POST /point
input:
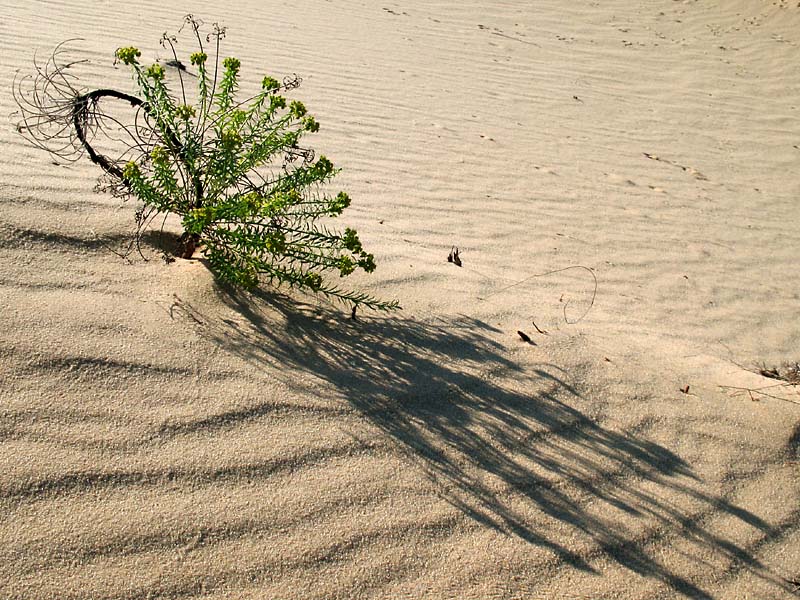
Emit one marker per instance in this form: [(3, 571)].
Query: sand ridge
[(163, 437)]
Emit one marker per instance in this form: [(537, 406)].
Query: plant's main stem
[(80, 112)]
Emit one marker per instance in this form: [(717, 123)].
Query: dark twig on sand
[(537, 328)]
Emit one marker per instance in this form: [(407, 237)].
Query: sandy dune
[(163, 437)]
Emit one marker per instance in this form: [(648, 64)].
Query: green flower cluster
[(128, 55), (268, 84), (131, 171), (231, 65), (351, 242), (346, 266), (323, 167), (198, 58), (276, 102), (297, 109), (310, 124), (159, 156), (155, 72), (338, 204), (185, 112), (230, 139)]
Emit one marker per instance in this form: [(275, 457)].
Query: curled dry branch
[(83, 113), (55, 115)]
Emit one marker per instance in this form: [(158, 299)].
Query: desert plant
[(248, 194)]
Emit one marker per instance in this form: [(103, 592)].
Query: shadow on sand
[(501, 443)]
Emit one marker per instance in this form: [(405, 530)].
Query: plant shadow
[(499, 442)]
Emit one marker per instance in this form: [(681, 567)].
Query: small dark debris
[(453, 257), (525, 337), (353, 313), (685, 389)]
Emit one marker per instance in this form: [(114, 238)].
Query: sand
[(163, 437)]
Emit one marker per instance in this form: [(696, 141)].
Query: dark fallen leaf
[(524, 337), (453, 257), (685, 390)]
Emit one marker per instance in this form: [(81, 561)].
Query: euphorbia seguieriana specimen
[(249, 196)]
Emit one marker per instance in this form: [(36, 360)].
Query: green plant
[(248, 195)]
